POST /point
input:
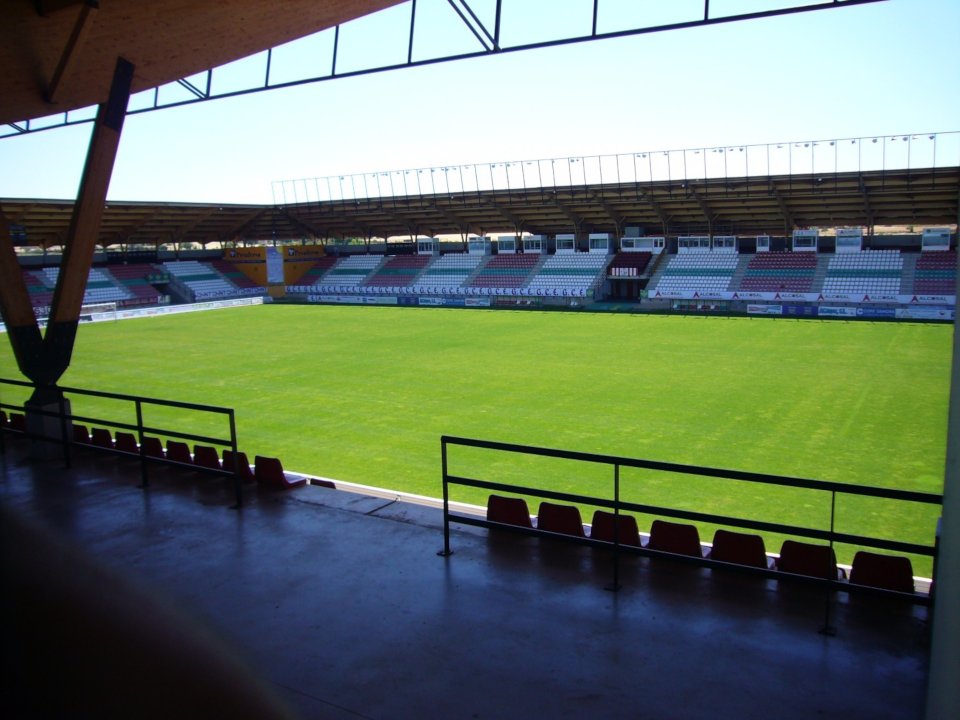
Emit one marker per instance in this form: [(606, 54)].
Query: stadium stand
[(890, 572), (508, 511), (230, 272), (561, 519), (629, 264), (41, 293), (349, 273), (780, 271), (698, 271), (567, 275), (205, 283), (504, 271), (135, 279), (100, 286), (315, 272), (936, 273), (603, 526), (867, 271), (399, 271), (446, 274)]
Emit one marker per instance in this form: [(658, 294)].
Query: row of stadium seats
[(205, 282), (267, 472), (888, 572), (936, 273)]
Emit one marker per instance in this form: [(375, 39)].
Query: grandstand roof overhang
[(743, 206), (59, 55)]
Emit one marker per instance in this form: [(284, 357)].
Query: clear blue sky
[(882, 69)]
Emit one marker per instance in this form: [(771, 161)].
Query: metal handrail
[(139, 427), (613, 502)]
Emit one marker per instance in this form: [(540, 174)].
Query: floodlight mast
[(489, 44)]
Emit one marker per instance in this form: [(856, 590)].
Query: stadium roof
[(756, 205), (59, 55)]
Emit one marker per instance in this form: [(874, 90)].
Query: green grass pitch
[(363, 394)]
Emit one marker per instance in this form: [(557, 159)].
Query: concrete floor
[(340, 603)]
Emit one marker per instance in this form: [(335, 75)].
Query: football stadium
[(666, 432)]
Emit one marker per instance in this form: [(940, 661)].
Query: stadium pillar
[(15, 306), (82, 237), (44, 359), (943, 693)]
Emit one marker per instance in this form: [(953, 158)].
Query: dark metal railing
[(66, 419), (614, 502)]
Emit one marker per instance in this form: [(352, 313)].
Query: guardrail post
[(144, 479), (446, 552), (828, 629), (615, 585), (237, 482), (63, 430)]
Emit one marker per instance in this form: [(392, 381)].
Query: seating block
[(508, 510)]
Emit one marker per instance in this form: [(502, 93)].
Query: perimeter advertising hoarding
[(838, 312), (765, 309), (354, 299), (776, 297), (800, 310), (925, 313)]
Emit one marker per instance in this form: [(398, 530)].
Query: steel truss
[(486, 41)]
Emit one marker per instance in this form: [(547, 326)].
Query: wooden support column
[(15, 306), (84, 229)]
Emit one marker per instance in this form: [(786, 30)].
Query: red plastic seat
[(179, 452), (269, 473), (206, 456), (890, 572), (508, 510), (677, 538), (243, 465), (152, 447), (126, 442), (100, 437), (739, 548), (3, 417), (801, 558), (604, 524), (81, 435), (17, 422), (562, 519)]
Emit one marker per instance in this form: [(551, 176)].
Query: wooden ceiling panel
[(165, 40)]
